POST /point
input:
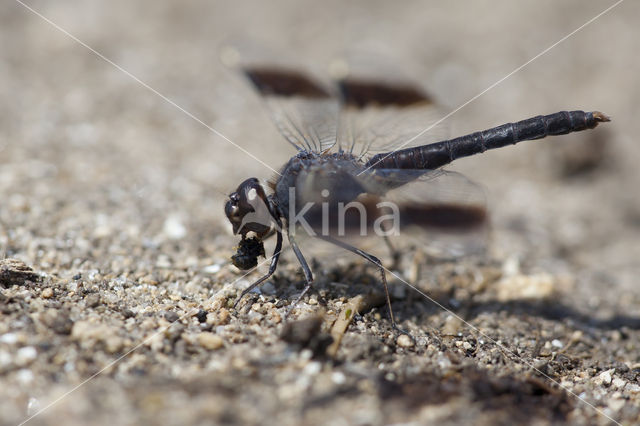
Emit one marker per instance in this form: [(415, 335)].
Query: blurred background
[(95, 167)]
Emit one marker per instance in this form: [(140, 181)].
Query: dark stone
[(201, 315), (305, 333), (16, 272)]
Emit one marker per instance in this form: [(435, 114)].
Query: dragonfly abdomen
[(438, 154)]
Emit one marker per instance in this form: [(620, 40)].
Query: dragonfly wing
[(441, 212), (304, 112), (431, 198), (303, 109), (382, 111), (336, 200)]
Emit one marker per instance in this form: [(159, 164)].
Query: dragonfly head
[(248, 209)]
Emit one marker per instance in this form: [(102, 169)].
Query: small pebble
[(210, 341), (516, 287), (604, 378), (557, 343), (312, 368), (404, 341), (275, 316), (58, 320), (223, 316), (24, 376), (618, 383), (128, 313), (5, 359), (33, 406), (302, 331), (163, 261), (9, 338), (171, 316), (452, 325), (92, 300), (47, 293), (113, 344), (633, 388), (174, 228), (211, 269), (338, 378), (25, 355), (15, 272), (201, 315), (616, 404)]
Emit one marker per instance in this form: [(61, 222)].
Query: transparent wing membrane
[(307, 124)]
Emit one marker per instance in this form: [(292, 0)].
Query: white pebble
[(211, 269), (25, 355), (616, 404), (173, 227), (24, 376), (404, 341), (312, 368), (9, 338), (618, 383), (557, 343), (338, 378), (5, 359), (604, 378), (33, 406), (633, 388)]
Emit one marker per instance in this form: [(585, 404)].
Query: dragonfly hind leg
[(395, 254), (371, 258)]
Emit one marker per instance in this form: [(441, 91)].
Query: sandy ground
[(113, 197)]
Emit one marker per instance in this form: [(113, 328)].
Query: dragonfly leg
[(272, 268), (371, 258), (395, 254), (308, 276)]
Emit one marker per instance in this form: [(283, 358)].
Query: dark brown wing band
[(361, 94), (282, 82)]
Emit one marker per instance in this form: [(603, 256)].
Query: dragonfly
[(363, 167)]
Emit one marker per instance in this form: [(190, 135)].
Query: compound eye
[(231, 209)]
